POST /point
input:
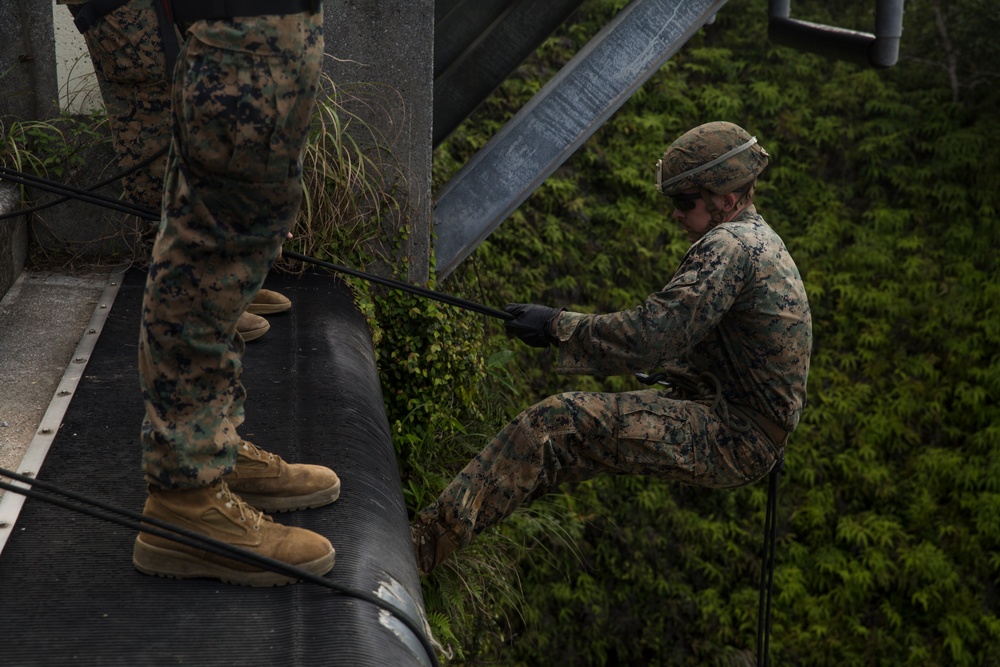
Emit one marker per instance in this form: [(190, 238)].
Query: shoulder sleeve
[(711, 280)]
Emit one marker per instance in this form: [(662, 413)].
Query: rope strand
[(398, 284), (767, 567), (160, 528), (149, 214)]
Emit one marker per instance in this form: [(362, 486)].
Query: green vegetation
[(48, 147), (884, 186)]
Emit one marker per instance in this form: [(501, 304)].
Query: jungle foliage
[(884, 186)]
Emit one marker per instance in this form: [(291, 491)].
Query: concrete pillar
[(388, 47), (385, 46), (28, 81), (27, 60), (13, 238)]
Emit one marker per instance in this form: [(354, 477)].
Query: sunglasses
[(685, 202)]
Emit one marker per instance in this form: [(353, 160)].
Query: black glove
[(531, 323)]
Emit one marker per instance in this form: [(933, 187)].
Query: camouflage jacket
[(736, 308)]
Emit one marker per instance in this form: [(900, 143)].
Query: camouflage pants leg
[(127, 51), (233, 190), (575, 436)]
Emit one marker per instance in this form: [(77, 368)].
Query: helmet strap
[(717, 214), (744, 199)]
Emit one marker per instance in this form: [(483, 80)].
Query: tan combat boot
[(268, 302), (251, 326), (216, 512), (433, 543), (268, 483)]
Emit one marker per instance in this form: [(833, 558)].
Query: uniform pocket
[(657, 436)]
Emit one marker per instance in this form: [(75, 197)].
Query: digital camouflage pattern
[(702, 145), (736, 308), (732, 328), (127, 51), (242, 103)]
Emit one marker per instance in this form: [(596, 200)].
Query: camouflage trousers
[(127, 51), (242, 105), (576, 436)]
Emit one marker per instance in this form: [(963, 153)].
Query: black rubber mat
[(68, 592)]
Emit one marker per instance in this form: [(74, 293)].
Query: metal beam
[(458, 25), (478, 44), (542, 135)]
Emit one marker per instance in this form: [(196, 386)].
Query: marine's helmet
[(719, 157)]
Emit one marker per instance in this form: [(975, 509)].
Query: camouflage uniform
[(242, 105), (127, 51), (733, 331)]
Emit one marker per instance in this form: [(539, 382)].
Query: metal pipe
[(888, 32), (880, 50)]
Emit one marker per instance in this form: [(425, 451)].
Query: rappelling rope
[(767, 567), (398, 284), (96, 186), (150, 214), (68, 191)]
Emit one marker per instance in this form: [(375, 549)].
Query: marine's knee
[(553, 403)]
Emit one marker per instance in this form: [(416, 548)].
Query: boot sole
[(272, 504), (254, 334), (267, 308), (172, 564)]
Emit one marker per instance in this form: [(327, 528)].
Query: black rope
[(150, 214), (398, 284), (152, 525), (767, 568), (160, 528), (77, 193), (768, 553), (97, 186)]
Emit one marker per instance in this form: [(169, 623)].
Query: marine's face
[(692, 214)]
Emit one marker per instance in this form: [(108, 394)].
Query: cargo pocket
[(657, 438)]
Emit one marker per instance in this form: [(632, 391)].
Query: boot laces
[(253, 451), (231, 500)]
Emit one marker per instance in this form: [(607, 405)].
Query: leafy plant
[(48, 147), (882, 185)]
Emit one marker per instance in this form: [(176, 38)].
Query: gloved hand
[(532, 323)]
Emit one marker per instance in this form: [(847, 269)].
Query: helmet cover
[(719, 157)]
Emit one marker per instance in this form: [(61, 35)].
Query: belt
[(188, 11), (772, 431), (92, 11)]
